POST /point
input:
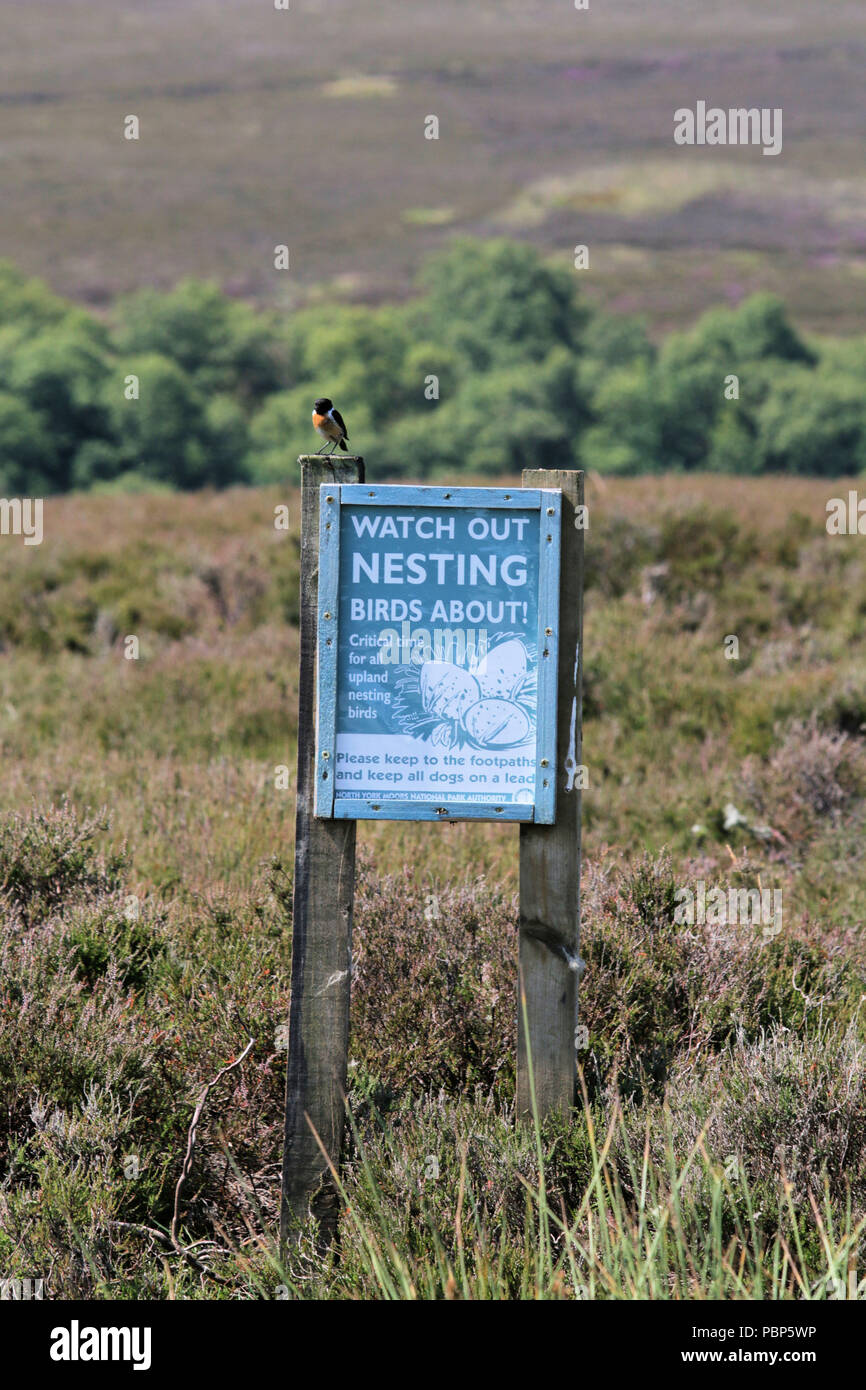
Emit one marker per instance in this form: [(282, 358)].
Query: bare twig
[(186, 1251), (144, 1230), (190, 1143)]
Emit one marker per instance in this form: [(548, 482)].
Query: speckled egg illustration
[(446, 690), (497, 723), (502, 671)]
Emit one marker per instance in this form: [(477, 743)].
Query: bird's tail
[(343, 446)]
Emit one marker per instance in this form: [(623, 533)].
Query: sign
[(438, 620), (440, 669)]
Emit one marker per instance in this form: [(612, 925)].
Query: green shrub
[(50, 858)]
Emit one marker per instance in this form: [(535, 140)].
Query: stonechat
[(329, 423)]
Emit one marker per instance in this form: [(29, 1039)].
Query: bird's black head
[(323, 405)]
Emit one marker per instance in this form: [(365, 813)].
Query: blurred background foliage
[(497, 364)]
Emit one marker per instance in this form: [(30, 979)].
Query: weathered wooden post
[(321, 918), (550, 854)]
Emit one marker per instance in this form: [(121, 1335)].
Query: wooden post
[(550, 854), (321, 919)]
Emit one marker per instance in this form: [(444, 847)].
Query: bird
[(329, 423)]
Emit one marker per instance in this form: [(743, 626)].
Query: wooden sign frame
[(543, 639)]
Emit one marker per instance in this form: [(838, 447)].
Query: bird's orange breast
[(319, 420)]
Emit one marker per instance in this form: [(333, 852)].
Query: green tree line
[(497, 364)]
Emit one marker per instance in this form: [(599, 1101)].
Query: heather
[(719, 1145)]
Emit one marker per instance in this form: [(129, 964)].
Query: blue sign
[(437, 641)]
